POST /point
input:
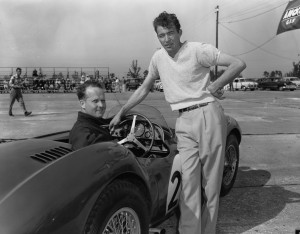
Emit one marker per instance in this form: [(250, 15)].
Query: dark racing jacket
[(87, 130)]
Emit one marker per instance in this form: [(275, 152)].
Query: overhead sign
[(290, 19)]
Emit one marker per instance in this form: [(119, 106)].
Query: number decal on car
[(174, 187), (174, 200)]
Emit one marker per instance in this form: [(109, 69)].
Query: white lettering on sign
[(290, 13), (290, 21)]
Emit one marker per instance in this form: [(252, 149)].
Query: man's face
[(169, 38), (19, 72), (94, 104)]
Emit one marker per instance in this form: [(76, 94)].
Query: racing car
[(127, 185)]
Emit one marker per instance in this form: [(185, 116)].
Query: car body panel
[(242, 84), (295, 80), (133, 83), (66, 183), (275, 83)]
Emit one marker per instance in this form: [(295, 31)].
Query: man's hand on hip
[(218, 93)]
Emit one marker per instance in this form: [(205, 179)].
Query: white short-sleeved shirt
[(186, 76)]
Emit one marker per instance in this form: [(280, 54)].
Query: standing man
[(183, 68), (16, 84)]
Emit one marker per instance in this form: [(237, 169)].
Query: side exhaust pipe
[(157, 231)]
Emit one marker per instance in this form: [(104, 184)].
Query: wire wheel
[(123, 221), (120, 209), (231, 164)]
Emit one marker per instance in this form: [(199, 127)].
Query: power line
[(256, 46), (256, 8), (234, 21)]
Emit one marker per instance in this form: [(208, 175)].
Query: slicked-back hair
[(81, 90), (166, 20)]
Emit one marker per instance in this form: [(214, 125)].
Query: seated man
[(87, 130)]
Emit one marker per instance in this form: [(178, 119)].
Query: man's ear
[(180, 32), (82, 104)]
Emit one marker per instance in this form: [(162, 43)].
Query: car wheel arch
[(139, 182), (131, 184), (236, 133)]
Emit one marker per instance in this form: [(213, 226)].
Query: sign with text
[(290, 19)]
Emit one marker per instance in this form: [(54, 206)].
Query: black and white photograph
[(149, 117)]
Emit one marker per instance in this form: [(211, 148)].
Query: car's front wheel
[(231, 164), (121, 208)]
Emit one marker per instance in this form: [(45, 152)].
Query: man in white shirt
[(183, 68)]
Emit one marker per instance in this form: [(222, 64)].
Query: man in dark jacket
[(89, 129)]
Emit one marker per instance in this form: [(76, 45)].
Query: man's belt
[(193, 107)]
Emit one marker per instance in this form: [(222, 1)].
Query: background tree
[(134, 70), (278, 73), (272, 74), (296, 70), (266, 74)]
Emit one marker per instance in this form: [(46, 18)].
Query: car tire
[(280, 88), (121, 200), (243, 88), (231, 164)]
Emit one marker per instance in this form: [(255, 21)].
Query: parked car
[(127, 185), (276, 83), (244, 84), (295, 80), (134, 83), (158, 85)]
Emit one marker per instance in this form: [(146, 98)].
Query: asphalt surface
[(266, 194)]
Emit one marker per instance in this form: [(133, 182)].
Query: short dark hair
[(81, 90), (166, 20), (18, 69)]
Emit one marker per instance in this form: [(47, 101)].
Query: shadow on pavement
[(250, 203)]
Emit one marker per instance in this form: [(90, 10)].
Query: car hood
[(21, 160)]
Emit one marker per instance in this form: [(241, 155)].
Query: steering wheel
[(135, 120)]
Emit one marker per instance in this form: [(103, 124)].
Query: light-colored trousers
[(201, 137)]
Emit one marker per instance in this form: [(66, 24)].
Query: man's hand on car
[(114, 122)]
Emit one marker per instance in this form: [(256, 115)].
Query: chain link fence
[(52, 79)]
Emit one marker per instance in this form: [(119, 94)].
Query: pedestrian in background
[(16, 84), (231, 86), (82, 79), (117, 85), (184, 69)]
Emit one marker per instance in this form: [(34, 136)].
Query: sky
[(113, 33)]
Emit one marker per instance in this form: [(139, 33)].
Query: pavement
[(266, 195)]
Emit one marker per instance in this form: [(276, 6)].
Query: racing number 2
[(173, 202)]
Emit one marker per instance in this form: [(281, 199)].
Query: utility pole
[(217, 37)]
